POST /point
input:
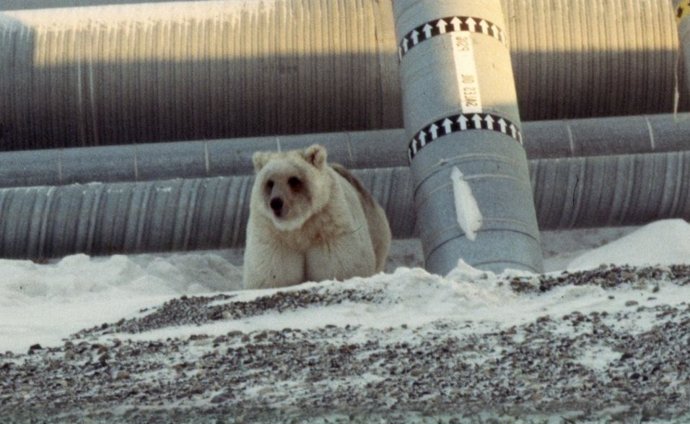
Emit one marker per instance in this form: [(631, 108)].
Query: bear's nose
[(277, 205)]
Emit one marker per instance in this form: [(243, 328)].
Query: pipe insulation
[(472, 193), (112, 216), (45, 4), (365, 149), (602, 191), (195, 70), (137, 73), (682, 8), (211, 213)]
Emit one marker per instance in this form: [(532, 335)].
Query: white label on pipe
[(466, 71)]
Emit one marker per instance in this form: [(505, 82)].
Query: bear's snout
[(277, 205)]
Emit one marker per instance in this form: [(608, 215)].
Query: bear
[(310, 220)]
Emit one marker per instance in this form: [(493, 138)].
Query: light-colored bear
[(310, 221)]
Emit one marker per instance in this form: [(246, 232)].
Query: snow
[(659, 243), (466, 209), (45, 303)]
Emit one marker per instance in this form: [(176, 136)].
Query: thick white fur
[(332, 228)]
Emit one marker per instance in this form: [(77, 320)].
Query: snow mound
[(473, 301), (664, 242), (46, 302)]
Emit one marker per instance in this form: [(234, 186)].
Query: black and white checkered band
[(446, 25), (462, 122)]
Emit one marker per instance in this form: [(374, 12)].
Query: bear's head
[(292, 186)]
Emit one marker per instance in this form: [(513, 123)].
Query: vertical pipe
[(472, 190), (682, 8)]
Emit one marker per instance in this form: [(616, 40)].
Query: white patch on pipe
[(466, 209), (466, 71)]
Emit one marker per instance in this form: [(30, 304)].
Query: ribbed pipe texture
[(181, 214), (210, 213), (681, 8), (41, 222), (44, 4), (490, 165), (199, 70), (194, 70), (590, 58), (611, 190)]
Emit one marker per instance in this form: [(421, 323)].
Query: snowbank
[(659, 243), (44, 303), (171, 338)]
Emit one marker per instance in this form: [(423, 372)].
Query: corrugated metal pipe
[(357, 150), (45, 4), (126, 199), (212, 69), (471, 184), (682, 8)]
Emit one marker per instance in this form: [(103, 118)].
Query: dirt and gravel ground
[(330, 374)]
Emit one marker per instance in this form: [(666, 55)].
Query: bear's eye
[(269, 184), (295, 183)]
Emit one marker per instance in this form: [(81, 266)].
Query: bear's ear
[(316, 155), (260, 159)]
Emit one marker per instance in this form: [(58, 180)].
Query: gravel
[(435, 373)]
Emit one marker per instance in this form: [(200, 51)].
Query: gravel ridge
[(342, 374)]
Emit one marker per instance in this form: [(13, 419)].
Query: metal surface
[(368, 149), (200, 70), (211, 69), (604, 191), (180, 214), (449, 76), (682, 11), (607, 136), (584, 173), (194, 70), (211, 213), (193, 159), (44, 4)]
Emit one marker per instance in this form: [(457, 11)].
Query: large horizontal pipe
[(370, 149), (180, 214), (215, 69), (46, 4), (211, 213), (602, 191)]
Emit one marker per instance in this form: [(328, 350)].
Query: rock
[(35, 347)]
